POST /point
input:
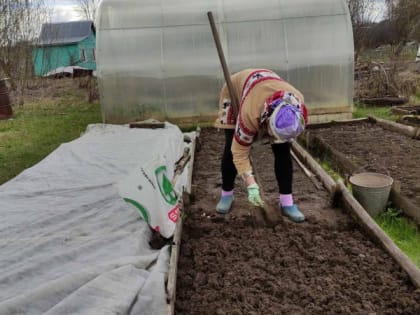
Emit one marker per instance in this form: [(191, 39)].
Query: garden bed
[(365, 145), (326, 265)]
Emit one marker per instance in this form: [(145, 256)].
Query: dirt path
[(378, 150), (325, 265)]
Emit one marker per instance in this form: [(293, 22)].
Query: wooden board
[(176, 243), (393, 126), (147, 124)]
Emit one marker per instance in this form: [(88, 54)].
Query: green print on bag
[(139, 207), (165, 185)]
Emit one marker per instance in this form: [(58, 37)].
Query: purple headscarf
[(287, 120)]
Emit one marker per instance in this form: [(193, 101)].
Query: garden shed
[(68, 44), (157, 59)]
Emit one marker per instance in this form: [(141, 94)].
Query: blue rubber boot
[(293, 213), (224, 204)]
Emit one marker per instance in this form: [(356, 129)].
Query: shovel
[(264, 215)]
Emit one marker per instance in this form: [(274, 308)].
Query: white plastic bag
[(150, 191)]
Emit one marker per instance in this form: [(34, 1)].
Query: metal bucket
[(372, 191), (6, 111)]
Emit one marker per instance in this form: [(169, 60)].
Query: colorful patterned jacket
[(252, 88)]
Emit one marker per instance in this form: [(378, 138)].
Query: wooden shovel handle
[(233, 99)]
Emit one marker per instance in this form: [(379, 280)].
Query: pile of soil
[(325, 265), (375, 149)]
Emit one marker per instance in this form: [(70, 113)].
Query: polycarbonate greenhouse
[(157, 58)]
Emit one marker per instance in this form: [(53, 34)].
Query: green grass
[(361, 111), (416, 97), (39, 128), (404, 233), (329, 168)]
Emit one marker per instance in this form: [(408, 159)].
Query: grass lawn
[(39, 127), (361, 111), (404, 233)]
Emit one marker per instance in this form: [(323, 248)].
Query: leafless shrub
[(20, 21)]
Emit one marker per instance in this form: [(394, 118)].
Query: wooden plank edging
[(409, 208), (409, 131), (176, 242), (336, 122), (190, 166), (173, 265), (313, 165)]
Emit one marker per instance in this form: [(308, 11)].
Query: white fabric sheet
[(68, 243)]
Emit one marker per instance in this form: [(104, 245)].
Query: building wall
[(48, 58), (88, 46)]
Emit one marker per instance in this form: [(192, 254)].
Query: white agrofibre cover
[(69, 244)]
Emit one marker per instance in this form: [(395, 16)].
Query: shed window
[(82, 55), (92, 51)]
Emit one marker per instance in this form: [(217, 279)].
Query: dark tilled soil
[(375, 149), (325, 265)]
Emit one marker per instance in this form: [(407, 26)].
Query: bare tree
[(20, 21), (88, 8), (382, 33), (362, 14), (404, 16)]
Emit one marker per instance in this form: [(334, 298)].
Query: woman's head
[(287, 117)]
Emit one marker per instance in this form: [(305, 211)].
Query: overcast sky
[(379, 10), (63, 11)]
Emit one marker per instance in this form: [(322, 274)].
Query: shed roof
[(65, 33)]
